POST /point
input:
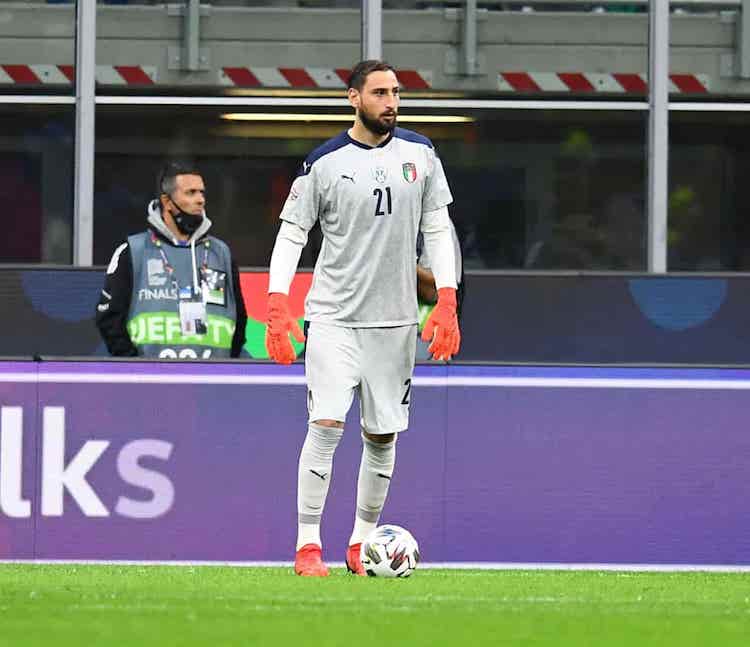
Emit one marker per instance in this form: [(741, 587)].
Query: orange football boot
[(308, 561), (353, 562)]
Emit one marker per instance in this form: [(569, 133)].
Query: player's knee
[(381, 439), (325, 422)]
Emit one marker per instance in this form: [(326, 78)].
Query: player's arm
[(297, 218), (114, 304), (426, 290), (438, 243), (442, 326), (290, 241)]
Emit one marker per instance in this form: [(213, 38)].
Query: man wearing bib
[(173, 291)]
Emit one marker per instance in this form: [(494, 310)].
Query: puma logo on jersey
[(348, 177)]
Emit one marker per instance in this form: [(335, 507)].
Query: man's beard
[(375, 126)]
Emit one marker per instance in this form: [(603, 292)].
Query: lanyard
[(168, 266)]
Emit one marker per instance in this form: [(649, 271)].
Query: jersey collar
[(367, 147)]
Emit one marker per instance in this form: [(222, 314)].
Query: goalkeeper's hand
[(442, 326), (280, 324)]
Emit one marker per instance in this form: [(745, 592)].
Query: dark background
[(535, 318)]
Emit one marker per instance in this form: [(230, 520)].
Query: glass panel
[(533, 189), (708, 167), (247, 168), (37, 47), (37, 55), (36, 166), (550, 190), (235, 46), (528, 48)]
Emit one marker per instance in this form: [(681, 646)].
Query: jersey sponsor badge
[(410, 171), (297, 188), (380, 173)]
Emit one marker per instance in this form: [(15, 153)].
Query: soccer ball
[(389, 551)]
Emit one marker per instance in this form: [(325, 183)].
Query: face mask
[(187, 223)]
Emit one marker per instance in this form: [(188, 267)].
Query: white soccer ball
[(389, 551)]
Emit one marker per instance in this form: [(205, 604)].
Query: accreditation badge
[(214, 286), (193, 318)]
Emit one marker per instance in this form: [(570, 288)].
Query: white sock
[(308, 533), (362, 528), (313, 479), (375, 472)]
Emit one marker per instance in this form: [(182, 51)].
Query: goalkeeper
[(373, 188)]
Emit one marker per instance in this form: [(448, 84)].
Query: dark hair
[(361, 70), (166, 181)]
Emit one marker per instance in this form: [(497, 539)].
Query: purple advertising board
[(18, 455), (198, 461)]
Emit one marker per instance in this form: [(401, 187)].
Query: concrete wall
[(424, 40)]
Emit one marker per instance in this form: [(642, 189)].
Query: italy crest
[(410, 171)]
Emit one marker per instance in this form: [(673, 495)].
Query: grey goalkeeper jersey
[(371, 204)]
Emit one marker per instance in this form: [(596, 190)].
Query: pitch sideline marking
[(485, 566)]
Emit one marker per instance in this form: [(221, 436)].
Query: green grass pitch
[(60, 605)]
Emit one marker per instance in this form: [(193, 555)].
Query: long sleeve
[(287, 249), (439, 247), (114, 304)]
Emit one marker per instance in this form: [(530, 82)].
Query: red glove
[(442, 326), (280, 324)]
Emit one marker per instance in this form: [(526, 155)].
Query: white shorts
[(375, 362)]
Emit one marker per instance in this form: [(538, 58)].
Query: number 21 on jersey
[(378, 193)]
